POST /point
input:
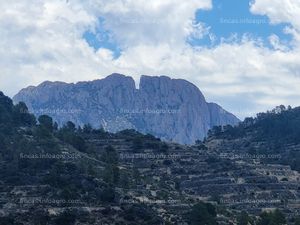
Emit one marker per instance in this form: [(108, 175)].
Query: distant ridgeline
[(79, 175), (171, 109)]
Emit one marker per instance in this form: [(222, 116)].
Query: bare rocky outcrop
[(172, 109)]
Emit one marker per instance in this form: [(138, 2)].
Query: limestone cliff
[(172, 109)]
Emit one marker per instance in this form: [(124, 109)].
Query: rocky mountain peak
[(172, 109)]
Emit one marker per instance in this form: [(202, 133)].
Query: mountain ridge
[(172, 109), (70, 175)]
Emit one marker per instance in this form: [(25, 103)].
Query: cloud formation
[(43, 40)]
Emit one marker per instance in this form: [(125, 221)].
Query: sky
[(242, 54)]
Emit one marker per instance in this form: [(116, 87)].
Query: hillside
[(81, 175), (273, 137)]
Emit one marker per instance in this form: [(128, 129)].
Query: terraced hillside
[(186, 174), (70, 175)]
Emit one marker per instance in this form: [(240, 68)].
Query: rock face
[(172, 109)]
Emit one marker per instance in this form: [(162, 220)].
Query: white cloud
[(276, 43), (137, 22), (278, 10), (42, 40)]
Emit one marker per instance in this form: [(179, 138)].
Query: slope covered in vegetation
[(273, 136), (78, 175)]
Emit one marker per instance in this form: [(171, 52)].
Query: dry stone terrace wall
[(172, 177), (186, 174)]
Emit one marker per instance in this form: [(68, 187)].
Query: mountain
[(171, 109), (69, 176)]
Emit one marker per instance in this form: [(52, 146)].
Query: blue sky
[(102, 38), (225, 20), (242, 56), (231, 17)]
